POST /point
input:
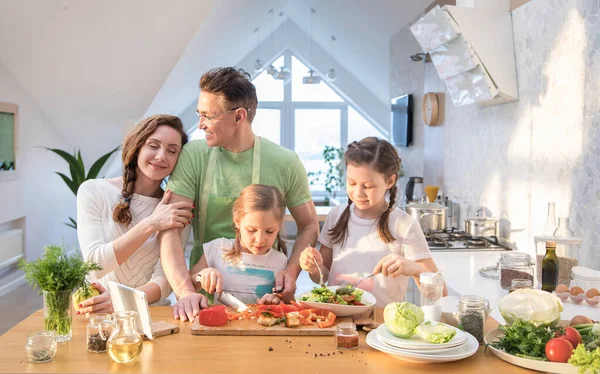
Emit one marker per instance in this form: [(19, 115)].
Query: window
[(305, 117)]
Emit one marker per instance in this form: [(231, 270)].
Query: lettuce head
[(403, 318), (539, 307)]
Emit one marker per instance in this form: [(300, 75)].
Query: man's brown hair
[(234, 86)]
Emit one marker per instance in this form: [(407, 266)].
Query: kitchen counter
[(187, 353), (461, 272)]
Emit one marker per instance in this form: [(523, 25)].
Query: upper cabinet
[(472, 51)]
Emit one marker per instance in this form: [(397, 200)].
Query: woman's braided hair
[(131, 149), (382, 157)]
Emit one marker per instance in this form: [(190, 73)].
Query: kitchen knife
[(229, 300)]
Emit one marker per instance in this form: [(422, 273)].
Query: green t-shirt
[(279, 167)]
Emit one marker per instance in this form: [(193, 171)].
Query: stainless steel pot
[(431, 217), (481, 225)]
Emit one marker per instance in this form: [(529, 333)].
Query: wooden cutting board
[(250, 327)]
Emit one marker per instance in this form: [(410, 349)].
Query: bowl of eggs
[(577, 294)]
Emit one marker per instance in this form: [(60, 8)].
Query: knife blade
[(228, 299)]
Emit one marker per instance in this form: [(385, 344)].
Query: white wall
[(37, 194)]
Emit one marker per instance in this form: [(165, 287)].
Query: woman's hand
[(308, 258), (167, 216), (394, 265), (211, 280), (269, 298), (97, 304)]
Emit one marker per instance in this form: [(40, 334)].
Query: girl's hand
[(167, 216), (393, 265), (269, 298), (211, 280), (308, 258), (97, 304)]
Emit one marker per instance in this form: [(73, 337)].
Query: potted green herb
[(57, 274), (333, 178)]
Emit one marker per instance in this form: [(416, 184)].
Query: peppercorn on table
[(187, 353)]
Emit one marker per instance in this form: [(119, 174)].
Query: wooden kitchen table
[(187, 353)]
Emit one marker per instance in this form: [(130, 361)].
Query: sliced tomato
[(329, 320), (274, 310), (357, 303), (288, 308), (213, 316), (297, 305), (348, 298)]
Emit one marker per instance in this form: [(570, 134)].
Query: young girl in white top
[(370, 235), (246, 266), (118, 218)]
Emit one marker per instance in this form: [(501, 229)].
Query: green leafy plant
[(77, 170), (57, 274), (333, 177)]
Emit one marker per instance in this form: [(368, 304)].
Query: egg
[(576, 290), (562, 288), (592, 292)]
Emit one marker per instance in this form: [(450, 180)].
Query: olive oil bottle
[(550, 268)]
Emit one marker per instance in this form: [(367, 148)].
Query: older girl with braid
[(246, 266), (118, 218), (369, 234)]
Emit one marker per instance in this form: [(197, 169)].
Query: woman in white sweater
[(118, 218)]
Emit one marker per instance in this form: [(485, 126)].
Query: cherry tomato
[(559, 350)]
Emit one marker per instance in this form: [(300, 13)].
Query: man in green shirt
[(212, 173)]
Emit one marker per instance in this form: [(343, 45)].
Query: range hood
[(472, 50)]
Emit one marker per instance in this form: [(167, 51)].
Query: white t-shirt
[(363, 249), (97, 230), (252, 276)]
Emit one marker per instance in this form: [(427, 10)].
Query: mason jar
[(515, 265), (472, 313), (98, 331)]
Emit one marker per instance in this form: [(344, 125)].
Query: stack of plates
[(415, 349)]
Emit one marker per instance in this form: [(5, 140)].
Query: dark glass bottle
[(550, 268)]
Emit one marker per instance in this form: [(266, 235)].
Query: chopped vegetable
[(436, 334), (586, 361), (524, 338), (325, 295), (403, 318)]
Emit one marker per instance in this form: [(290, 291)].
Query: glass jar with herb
[(346, 336), (41, 346), (516, 265), (472, 313), (98, 331)]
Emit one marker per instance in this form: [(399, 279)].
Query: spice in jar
[(41, 346), (346, 336), (97, 343), (472, 322), (472, 314), (98, 330), (515, 265)]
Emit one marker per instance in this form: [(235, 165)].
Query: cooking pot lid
[(425, 206)]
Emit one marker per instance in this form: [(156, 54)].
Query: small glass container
[(125, 343), (519, 284), (432, 289), (516, 265), (41, 346), (346, 336), (472, 313), (98, 331)]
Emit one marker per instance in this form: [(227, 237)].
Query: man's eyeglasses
[(212, 118)]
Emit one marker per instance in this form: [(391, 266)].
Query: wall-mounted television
[(401, 131)]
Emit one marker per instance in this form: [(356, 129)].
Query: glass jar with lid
[(346, 336), (432, 289), (98, 331), (519, 284), (41, 346), (472, 314), (515, 265)]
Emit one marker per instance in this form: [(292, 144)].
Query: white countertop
[(461, 273)]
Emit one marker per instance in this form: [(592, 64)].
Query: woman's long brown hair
[(131, 149), (382, 157), (257, 198)]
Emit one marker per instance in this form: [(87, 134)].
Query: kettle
[(414, 189)]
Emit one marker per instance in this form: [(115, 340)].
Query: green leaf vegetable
[(325, 295), (524, 339), (403, 318), (587, 361), (58, 275), (436, 334)]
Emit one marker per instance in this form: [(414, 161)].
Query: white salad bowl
[(340, 310)]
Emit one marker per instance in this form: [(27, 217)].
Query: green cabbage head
[(403, 318), (539, 307)]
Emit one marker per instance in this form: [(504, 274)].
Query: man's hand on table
[(188, 306)]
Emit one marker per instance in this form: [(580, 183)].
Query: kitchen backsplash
[(514, 158)]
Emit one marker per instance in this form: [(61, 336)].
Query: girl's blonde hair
[(261, 198), (382, 157)]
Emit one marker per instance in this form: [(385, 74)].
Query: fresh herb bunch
[(524, 339), (57, 274)]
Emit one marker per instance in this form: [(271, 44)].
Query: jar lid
[(346, 327), (516, 258), (431, 278)]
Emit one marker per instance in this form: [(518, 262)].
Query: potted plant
[(333, 177), (56, 275)]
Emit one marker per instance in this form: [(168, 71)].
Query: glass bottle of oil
[(550, 268), (125, 343)]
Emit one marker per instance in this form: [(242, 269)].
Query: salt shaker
[(432, 288)]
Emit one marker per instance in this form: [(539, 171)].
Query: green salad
[(325, 295)]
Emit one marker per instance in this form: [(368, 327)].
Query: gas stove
[(457, 240)]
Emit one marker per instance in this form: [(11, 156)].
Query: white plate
[(459, 353), (415, 343), (340, 310), (545, 366)]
